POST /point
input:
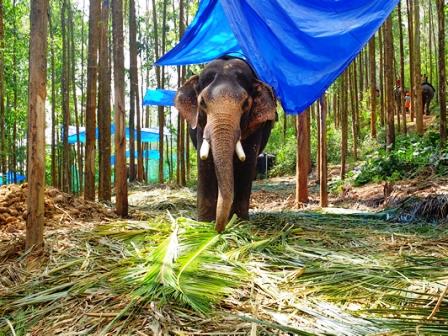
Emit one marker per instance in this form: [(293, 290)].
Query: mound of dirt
[(61, 208)]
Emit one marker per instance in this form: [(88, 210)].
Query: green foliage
[(412, 156)]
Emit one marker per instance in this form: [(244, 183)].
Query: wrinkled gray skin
[(427, 95), (224, 104)]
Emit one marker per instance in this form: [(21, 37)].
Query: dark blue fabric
[(159, 97), (299, 47)]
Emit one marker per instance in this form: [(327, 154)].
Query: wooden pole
[(36, 124), (302, 162), (323, 152)]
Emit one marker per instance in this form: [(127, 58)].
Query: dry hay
[(61, 209), (311, 274), (418, 199)]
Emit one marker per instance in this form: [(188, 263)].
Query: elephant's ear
[(187, 101), (264, 107)]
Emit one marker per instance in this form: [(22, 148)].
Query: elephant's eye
[(203, 104), (246, 104)]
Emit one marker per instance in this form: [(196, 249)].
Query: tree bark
[(442, 69), (411, 57), (372, 67), (36, 124), (417, 96), (381, 83), (323, 153), (389, 82), (2, 93), (344, 122), (402, 78), (121, 186), (65, 93), (302, 159), (134, 113), (104, 107), (92, 71), (133, 88)]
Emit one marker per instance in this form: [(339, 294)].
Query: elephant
[(230, 112), (427, 95)]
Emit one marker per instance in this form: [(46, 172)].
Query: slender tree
[(36, 124), (417, 90), (65, 93), (54, 178), (2, 92), (72, 70), (302, 159), (323, 152), (389, 86), (104, 107), (402, 78), (344, 122), (372, 67), (92, 71), (442, 68), (134, 113), (121, 186)]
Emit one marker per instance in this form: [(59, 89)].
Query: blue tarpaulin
[(8, 178), (159, 97), (299, 47), (151, 154), (148, 135)]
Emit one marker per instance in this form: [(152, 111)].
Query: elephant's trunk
[(223, 141)]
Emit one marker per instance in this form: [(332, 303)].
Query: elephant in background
[(230, 113), (427, 95)]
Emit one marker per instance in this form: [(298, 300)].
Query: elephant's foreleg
[(207, 193), (244, 175)]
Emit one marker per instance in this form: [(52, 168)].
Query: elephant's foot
[(206, 214), (242, 211)]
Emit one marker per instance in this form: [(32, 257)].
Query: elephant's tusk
[(240, 151), (205, 149)]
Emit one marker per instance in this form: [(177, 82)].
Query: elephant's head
[(228, 103)]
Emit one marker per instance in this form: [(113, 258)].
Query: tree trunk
[(54, 177), (104, 107), (92, 70), (442, 69), (353, 99), (36, 124), (121, 186), (417, 101), (159, 78), (134, 103), (133, 88), (72, 72), (344, 122), (302, 159), (403, 91), (318, 165), (323, 153), (161, 109), (411, 57), (65, 93), (2, 93), (372, 67), (182, 133), (389, 82), (381, 86)]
